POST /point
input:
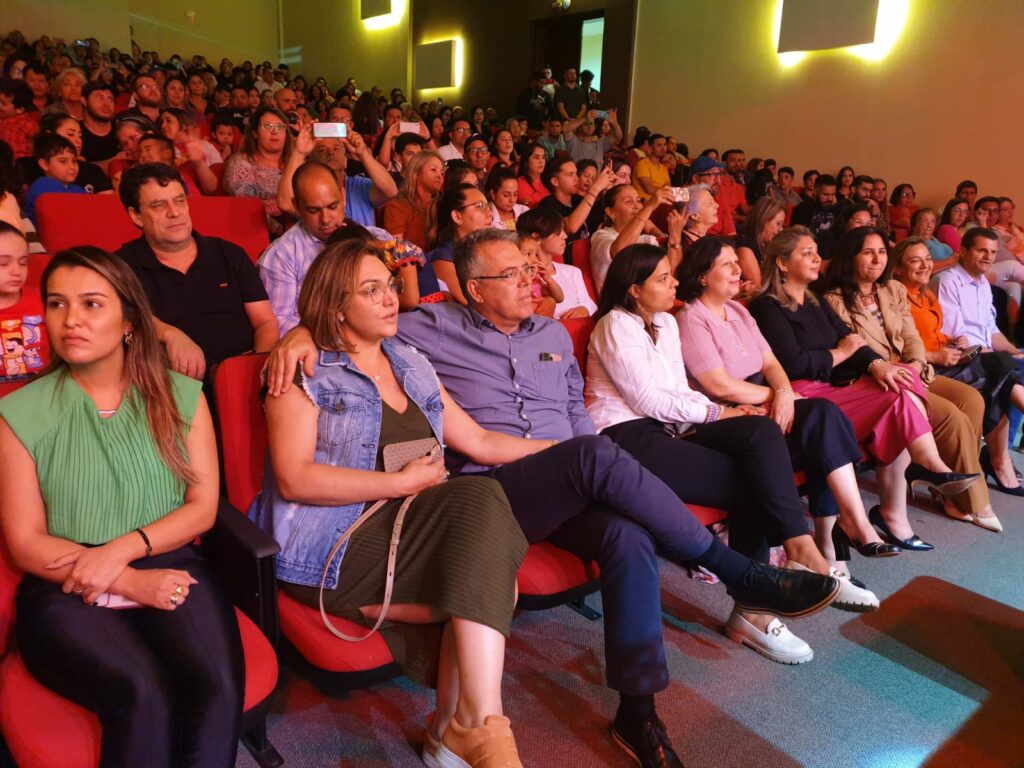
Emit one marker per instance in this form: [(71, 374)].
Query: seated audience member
[(531, 175), (460, 211), (922, 225), (237, 110), (733, 458), (767, 217), (861, 190), (502, 188), (732, 193), (25, 348), (729, 360), (876, 308), (967, 190), (952, 223), (319, 203), (901, 208), (562, 180), (1010, 233), (405, 147), (640, 147), (69, 84), (880, 197), (809, 178), (129, 130), (759, 185), (587, 172), (37, 77), (90, 177), (458, 132), (477, 153), (820, 214), (109, 465), (459, 172), (707, 172), (196, 174), (844, 183), (852, 216), (965, 295), (824, 358), (994, 374), (363, 194), (447, 625), (255, 169), (588, 145), (408, 215), (19, 119), (178, 126), (207, 299), (147, 99), (99, 142), (701, 212), (553, 138), (58, 159), (1008, 271), (222, 135), (10, 187), (627, 222), (545, 292), (548, 229), (650, 174), (504, 150)]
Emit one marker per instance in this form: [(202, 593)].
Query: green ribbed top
[(100, 478)]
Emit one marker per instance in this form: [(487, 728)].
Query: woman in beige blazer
[(877, 309)]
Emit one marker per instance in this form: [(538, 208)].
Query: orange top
[(927, 314), (403, 219)]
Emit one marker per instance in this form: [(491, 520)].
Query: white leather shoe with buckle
[(777, 643)]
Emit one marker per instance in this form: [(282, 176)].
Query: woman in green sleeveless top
[(108, 466)]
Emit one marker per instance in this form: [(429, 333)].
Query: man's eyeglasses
[(274, 127), (376, 291), (480, 151), (514, 273), (482, 205), (459, 130)]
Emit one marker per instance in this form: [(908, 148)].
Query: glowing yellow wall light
[(388, 19), (458, 58), (889, 24)]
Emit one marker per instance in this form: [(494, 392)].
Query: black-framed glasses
[(376, 291), (514, 273)]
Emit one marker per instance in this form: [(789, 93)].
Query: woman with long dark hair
[(255, 169), (531, 169), (460, 211)]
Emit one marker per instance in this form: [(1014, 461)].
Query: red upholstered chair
[(581, 259), (44, 730), (100, 220)]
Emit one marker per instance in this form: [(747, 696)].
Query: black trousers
[(167, 686), (741, 465)]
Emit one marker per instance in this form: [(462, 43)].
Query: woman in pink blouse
[(731, 362), (531, 166)]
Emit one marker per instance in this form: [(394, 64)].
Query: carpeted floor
[(935, 678)]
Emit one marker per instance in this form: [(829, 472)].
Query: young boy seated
[(59, 160), (19, 120), (222, 135), (22, 333)]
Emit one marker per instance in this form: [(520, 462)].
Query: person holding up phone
[(992, 373)]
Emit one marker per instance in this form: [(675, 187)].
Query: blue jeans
[(590, 497)]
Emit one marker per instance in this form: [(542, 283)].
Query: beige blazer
[(897, 339)]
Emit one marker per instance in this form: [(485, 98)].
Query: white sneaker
[(777, 643), (851, 597)]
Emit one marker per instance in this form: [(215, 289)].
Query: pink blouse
[(709, 342)]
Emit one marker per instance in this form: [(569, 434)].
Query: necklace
[(106, 412), (380, 368)]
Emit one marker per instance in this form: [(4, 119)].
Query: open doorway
[(570, 41)]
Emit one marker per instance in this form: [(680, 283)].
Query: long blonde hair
[(145, 363), (781, 248)]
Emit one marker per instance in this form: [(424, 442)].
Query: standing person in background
[(571, 101)]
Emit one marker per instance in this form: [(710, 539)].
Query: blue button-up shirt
[(967, 308), (525, 383)]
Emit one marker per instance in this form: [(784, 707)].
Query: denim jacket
[(348, 431)]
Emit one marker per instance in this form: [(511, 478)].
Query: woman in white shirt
[(733, 458), (548, 228), (502, 187)]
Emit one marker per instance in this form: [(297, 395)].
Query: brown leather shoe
[(490, 745)]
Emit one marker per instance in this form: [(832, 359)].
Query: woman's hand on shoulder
[(294, 347)]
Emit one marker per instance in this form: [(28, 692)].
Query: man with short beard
[(147, 98), (99, 143)]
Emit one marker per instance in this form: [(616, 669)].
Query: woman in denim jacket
[(460, 549)]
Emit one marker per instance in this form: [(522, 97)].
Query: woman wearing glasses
[(460, 211), (447, 625), (255, 170)]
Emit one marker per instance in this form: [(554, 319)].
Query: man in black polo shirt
[(99, 142), (205, 292), (562, 180)]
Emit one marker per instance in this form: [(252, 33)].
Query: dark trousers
[(593, 499), (741, 465), (821, 441), (167, 686)]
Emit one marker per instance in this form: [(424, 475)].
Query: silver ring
[(174, 599), (179, 590)]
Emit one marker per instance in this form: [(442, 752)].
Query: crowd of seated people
[(744, 329)]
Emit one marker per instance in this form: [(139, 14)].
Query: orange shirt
[(927, 314), (403, 219)]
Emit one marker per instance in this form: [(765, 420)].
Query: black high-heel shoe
[(842, 543), (946, 483), (915, 542), (990, 473)]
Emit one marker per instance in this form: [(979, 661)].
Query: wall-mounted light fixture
[(438, 64), (381, 14), (867, 29)]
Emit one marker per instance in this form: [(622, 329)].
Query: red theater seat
[(581, 259), (100, 220)]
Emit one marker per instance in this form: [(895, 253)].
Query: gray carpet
[(935, 678)]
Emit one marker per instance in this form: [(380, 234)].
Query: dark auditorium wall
[(498, 39), (945, 104)]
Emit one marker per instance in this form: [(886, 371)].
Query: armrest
[(242, 554)]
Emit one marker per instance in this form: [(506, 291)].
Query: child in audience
[(544, 290), (222, 135), (548, 229), (58, 158), (24, 348), (19, 120)]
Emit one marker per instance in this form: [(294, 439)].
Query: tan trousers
[(955, 411)]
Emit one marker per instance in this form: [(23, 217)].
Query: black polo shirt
[(207, 302)]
